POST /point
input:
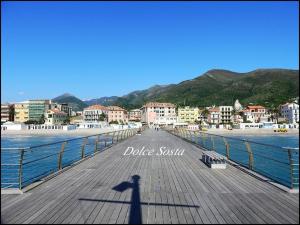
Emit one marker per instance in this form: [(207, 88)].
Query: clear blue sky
[(96, 49)]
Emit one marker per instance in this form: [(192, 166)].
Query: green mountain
[(221, 87), (74, 102)]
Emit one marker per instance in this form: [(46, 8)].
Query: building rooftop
[(255, 107), (115, 108), (217, 109), (57, 111), (99, 107), (159, 104)]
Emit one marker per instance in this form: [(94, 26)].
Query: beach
[(77, 132)]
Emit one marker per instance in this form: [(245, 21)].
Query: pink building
[(158, 113), (116, 113)]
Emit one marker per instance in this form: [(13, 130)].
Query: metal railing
[(23, 166), (280, 164)]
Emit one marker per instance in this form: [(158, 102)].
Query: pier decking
[(113, 188)]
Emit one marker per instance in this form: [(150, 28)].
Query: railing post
[(21, 168), (62, 149), (212, 142), (83, 146), (250, 154), (227, 148), (118, 136), (96, 144), (291, 161), (113, 136), (203, 139)]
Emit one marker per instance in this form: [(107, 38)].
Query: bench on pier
[(214, 160)]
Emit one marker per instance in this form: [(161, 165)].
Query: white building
[(55, 117), (226, 114), (93, 113), (214, 116), (290, 111), (13, 126)]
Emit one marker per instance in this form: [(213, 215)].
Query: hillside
[(74, 102), (221, 87), (215, 87)]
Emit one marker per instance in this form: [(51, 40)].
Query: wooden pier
[(117, 189)]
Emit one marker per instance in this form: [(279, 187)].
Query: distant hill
[(102, 101), (216, 87), (221, 87), (74, 102)]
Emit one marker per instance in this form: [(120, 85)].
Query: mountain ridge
[(216, 87)]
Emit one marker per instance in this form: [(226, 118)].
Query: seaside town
[(47, 115)]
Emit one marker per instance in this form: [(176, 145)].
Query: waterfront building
[(37, 109), (88, 125), (226, 114), (258, 112), (64, 107), (214, 116), (21, 112), (135, 115), (290, 111), (116, 113), (188, 114), (55, 117), (7, 112), (94, 113), (13, 126), (157, 113)]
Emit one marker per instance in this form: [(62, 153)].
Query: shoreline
[(94, 131), (77, 132), (239, 132)]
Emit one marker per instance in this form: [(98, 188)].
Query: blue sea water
[(272, 162)]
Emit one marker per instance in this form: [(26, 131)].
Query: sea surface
[(270, 159)]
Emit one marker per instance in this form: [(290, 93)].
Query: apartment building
[(64, 107), (214, 116), (7, 112), (157, 113), (226, 114), (93, 113), (37, 109), (290, 111), (134, 115), (21, 112), (258, 112), (188, 114), (116, 113), (55, 117)]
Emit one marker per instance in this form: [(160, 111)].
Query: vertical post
[(21, 168), (62, 149), (96, 144), (212, 142), (203, 139), (250, 154), (118, 136), (83, 146), (227, 148), (113, 136), (291, 167)]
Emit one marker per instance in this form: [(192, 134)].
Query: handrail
[(254, 142), (241, 152), (30, 166)]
